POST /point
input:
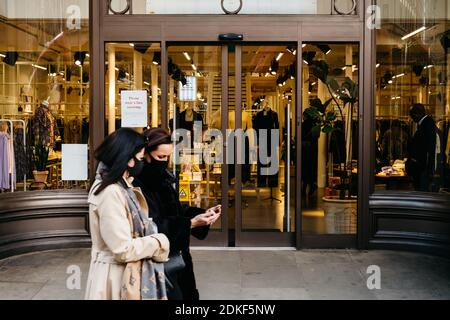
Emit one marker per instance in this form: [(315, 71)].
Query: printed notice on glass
[(74, 162), (134, 108), (188, 92)]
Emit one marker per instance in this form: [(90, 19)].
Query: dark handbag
[(173, 267)]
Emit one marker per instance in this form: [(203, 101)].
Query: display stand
[(272, 198)]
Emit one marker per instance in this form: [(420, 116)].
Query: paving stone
[(18, 290)]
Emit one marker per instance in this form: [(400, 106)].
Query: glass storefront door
[(231, 108), (330, 144), (235, 118)]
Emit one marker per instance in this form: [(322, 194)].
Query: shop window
[(412, 115), (44, 95)]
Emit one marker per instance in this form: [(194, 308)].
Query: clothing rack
[(11, 122)]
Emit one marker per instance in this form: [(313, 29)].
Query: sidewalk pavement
[(252, 275)]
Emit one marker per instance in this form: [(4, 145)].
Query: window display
[(412, 96), (44, 91)]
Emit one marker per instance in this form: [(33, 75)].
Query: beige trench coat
[(112, 242)]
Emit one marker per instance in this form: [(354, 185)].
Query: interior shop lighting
[(303, 45), (117, 69), (2, 55), (378, 65), (398, 76), (79, 58), (131, 44), (187, 56), (156, 58), (39, 67), (280, 55), (409, 35), (326, 49), (146, 83), (194, 67), (396, 98), (429, 66), (87, 55)]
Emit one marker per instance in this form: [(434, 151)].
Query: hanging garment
[(45, 128), (266, 119), (7, 167), (20, 155)]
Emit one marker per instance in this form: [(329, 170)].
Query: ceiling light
[(156, 58), (280, 55), (79, 57), (146, 83), (398, 76), (39, 67), (117, 69), (324, 48), (187, 56), (2, 55), (390, 81), (142, 47), (409, 35), (11, 58), (194, 67), (87, 55), (429, 66), (131, 44), (378, 65), (303, 45)]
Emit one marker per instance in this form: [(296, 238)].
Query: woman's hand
[(208, 218)]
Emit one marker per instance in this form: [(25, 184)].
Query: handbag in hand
[(172, 267)]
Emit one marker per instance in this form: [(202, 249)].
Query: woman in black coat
[(176, 221)]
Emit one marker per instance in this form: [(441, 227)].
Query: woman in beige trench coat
[(113, 244)]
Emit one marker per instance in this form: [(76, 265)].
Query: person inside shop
[(125, 243), (421, 163), (174, 220)]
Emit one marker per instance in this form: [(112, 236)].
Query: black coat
[(422, 149), (174, 220)]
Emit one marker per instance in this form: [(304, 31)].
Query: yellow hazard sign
[(184, 193)]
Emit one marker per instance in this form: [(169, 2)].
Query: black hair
[(417, 108), (115, 152), (156, 137)]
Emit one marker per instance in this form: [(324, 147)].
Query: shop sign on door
[(188, 92), (134, 108)]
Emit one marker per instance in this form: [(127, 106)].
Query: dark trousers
[(421, 182)]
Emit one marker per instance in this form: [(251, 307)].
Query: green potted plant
[(340, 211), (40, 161)]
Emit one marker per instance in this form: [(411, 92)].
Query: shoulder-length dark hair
[(115, 152), (156, 137)]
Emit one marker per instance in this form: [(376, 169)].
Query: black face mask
[(155, 169), (137, 169)]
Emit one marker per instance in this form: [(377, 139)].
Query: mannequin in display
[(187, 119), (45, 128), (267, 119)]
